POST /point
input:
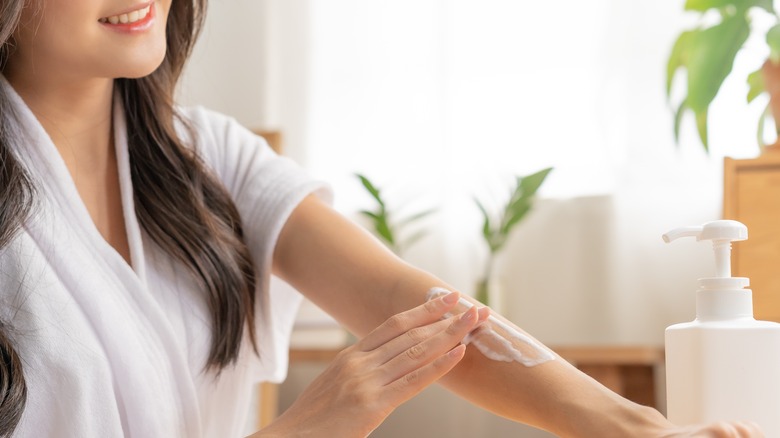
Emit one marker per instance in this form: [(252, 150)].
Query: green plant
[(496, 228), (389, 230), (707, 53)]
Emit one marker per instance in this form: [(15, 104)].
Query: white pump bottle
[(724, 365)]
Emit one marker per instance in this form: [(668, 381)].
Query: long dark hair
[(178, 201)]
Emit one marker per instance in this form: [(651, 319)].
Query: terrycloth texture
[(114, 350)]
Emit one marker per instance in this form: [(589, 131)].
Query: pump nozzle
[(682, 232), (722, 233)]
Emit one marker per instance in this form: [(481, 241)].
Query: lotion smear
[(498, 339)]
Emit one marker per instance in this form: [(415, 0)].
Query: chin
[(138, 73), (138, 67)]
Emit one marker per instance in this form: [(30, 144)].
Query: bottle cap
[(720, 298), (721, 233)]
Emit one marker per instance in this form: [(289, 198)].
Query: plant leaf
[(383, 230), (518, 212), (712, 53), (487, 233), (380, 218), (755, 82), (677, 121), (767, 5), (531, 183), (704, 5), (701, 126), (773, 40), (496, 246), (414, 238), (520, 201), (371, 189), (678, 58), (415, 217), (370, 214)]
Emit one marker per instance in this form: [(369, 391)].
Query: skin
[(405, 346), (68, 84)]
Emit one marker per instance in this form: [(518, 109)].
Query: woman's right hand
[(369, 379), (716, 430)]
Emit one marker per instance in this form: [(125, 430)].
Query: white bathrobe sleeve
[(266, 188)]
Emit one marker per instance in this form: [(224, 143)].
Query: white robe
[(111, 349)]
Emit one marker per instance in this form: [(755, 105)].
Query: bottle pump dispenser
[(724, 365)]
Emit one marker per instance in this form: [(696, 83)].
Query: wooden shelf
[(627, 370), (751, 195)]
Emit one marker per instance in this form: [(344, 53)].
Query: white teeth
[(130, 17)]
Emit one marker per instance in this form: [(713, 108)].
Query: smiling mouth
[(129, 18)]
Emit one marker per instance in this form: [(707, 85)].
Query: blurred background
[(443, 101)]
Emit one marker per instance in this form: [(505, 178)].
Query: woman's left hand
[(368, 380)]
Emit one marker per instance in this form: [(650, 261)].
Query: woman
[(137, 243)]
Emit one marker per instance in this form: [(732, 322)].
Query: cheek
[(53, 34)]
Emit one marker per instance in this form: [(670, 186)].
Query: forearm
[(553, 395)]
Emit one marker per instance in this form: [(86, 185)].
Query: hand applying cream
[(497, 338)]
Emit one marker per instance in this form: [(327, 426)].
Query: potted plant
[(497, 227), (392, 231), (707, 54)]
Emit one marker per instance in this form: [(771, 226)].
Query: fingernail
[(484, 313), (469, 315), (450, 298)]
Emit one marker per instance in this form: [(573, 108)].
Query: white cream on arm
[(498, 339)]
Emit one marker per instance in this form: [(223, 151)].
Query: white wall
[(228, 71), (251, 62)]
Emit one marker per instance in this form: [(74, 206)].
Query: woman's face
[(84, 39)]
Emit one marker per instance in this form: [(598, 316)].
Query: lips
[(131, 17)]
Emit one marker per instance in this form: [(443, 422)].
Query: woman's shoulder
[(219, 138), (209, 123)]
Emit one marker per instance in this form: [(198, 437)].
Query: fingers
[(750, 429), (412, 383), (741, 429), (389, 366), (409, 339), (421, 315), (418, 355), (722, 429)]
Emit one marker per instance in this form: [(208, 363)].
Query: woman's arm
[(349, 274)]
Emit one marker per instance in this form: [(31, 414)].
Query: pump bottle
[(724, 365)]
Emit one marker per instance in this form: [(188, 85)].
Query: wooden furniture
[(274, 139), (268, 393), (268, 403), (751, 195), (627, 370)]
